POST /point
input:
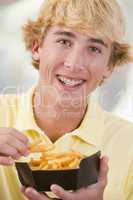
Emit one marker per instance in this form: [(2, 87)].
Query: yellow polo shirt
[(98, 130)]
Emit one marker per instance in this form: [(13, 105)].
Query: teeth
[(70, 82)]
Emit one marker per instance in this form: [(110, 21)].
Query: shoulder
[(13, 104), (8, 108), (117, 124), (8, 100)]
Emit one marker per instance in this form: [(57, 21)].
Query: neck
[(54, 120)]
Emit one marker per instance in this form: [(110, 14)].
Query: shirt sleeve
[(129, 183)]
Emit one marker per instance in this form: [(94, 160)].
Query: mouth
[(70, 82)]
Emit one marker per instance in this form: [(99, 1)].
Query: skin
[(73, 55), (13, 145), (77, 56)]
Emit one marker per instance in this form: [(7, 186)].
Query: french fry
[(40, 147), (53, 161)]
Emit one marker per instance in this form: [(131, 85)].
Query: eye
[(64, 42), (94, 49)]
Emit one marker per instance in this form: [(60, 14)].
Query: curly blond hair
[(103, 17)]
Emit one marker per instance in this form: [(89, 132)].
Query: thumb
[(102, 180), (60, 192)]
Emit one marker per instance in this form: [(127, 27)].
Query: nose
[(75, 60)]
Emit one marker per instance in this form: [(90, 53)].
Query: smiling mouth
[(70, 82)]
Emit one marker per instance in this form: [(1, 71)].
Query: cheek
[(51, 56), (50, 61), (98, 67), (97, 72)]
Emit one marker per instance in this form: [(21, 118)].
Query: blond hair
[(102, 17)]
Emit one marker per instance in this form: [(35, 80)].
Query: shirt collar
[(92, 126), (90, 129)]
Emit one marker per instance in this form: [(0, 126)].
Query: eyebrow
[(65, 33), (99, 41), (72, 35)]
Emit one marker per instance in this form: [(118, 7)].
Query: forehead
[(76, 34)]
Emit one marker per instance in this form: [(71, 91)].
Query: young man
[(75, 45)]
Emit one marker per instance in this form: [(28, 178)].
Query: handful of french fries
[(49, 160)]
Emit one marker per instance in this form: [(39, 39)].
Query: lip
[(67, 87), (76, 78)]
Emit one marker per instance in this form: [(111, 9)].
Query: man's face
[(72, 64)]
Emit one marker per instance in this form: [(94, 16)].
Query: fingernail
[(54, 188), (11, 161), (107, 160), (26, 153), (31, 192)]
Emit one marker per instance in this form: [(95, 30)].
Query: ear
[(35, 51)]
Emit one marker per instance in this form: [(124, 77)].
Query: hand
[(92, 192), (13, 145), (32, 194)]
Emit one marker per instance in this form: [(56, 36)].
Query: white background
[(16, 72)]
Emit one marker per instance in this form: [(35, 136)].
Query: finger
[(20, 136), (13, 132), (61, 193), (7, 150), (32, 194), (6, 161), (102, 180), (22, 188), (19, 146)]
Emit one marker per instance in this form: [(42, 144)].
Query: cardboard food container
[(69, 179)]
